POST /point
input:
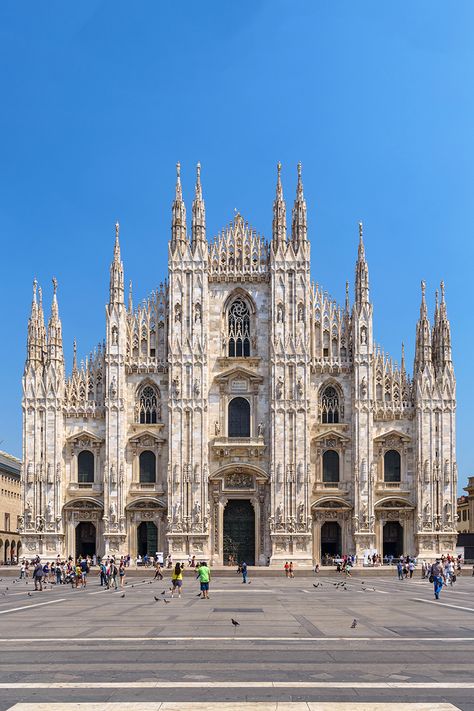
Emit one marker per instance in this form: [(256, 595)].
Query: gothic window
[(239, 417), (331, 466), (147, 467), (392, 466), (85, 467), (330, 406), (148, 408), (239, 329)]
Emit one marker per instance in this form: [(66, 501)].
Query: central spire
[(279, 213), (116, 272), (362, 272)]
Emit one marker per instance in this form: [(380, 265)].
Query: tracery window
[(330, 408), (148, 406), (239, 329)]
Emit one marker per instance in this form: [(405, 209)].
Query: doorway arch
[(330, 539), (393, 539), (147, 538), (86, 536), (239, 531)]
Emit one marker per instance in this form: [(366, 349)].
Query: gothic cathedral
[(239, 411)]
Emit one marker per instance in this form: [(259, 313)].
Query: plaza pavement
[(294, 650)]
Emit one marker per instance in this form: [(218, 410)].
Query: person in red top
[(287, 569)]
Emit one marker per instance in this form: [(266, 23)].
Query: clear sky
[(100, 99)]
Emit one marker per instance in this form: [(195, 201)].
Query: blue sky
[(100, 99)]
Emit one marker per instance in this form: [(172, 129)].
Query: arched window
[(148, 408), (239, 329), (392, 466), (239, 417), (147, 467), (329, 405), (331, 466), (85, 467)]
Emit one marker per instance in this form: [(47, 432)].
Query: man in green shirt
[(204, 575)]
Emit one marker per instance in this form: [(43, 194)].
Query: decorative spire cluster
[(55, 339), (362, 273), (423, 335), (441, 341), (198, 212), (44, 347)]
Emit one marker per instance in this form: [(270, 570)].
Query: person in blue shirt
[(243, 570)]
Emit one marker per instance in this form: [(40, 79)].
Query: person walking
[(437, 578), (243, 569), (158, 573), (84, 571), (122, 573), (204, 576), (177, 579), (286, 568), (38, 576), (400, 570), (114, 574), (411, 568), (291, 570)]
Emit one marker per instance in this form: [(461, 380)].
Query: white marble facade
[(239, 410)]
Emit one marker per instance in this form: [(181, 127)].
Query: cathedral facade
[(239, 411)]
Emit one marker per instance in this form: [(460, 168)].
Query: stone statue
[(279, 514), (217, 428), (279, 313), (177, 313), (280, 385), (113, 512), (176, 510), (113, 388), (176, 386), (300, 513), (260, 429), (197, 387), (197, 313), (49, 511), (299, 386), (197, 512), (363, 387)]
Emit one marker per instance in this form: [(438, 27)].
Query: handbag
[(431, 579)]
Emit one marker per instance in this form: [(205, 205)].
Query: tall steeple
[(441, 335), (423, 336), (198, 212), (34, 355), (279, 213), (55, 339), (116, 272), (178, 223), (130, 298), (362, 273), (299, 224)]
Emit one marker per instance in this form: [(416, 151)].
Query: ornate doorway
[(239, 531), (147, 538), (331, 539), (393, 539), (85, 539)]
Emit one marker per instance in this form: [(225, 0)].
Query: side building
[(239, 410), (10, 509)]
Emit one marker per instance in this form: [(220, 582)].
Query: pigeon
[(133, 586), (167, 602), (198, 595), (354, 624), (315, 586), (30, 595), (122, 595), (234, 622), (164, 592), (157, 599)]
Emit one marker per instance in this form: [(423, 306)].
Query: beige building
[(239, 410), (10, 508), (465, 509)]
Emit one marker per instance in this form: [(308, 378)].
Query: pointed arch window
[(330, 466), (148, 406), (392, 466), (330, 406), (147, 467), (239, 329), (85, 467)]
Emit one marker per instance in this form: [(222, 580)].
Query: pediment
[(238, 373), (331, 435), (393, 435), (146, 437), (84, 437)]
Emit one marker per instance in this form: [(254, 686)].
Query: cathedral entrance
[(147, 538), (393, 539), (239, 531), (330, 539), (85, 539)]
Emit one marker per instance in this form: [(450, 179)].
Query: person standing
[(291, 570), (437, 575), (204, 575), (287, 569), (411, 568), (177, 579), (38, 575), (243, 568), (84, 571), (158, 573), (122, 573)]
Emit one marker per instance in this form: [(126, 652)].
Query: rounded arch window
[(85, 467), (331, 466), (239, 417), (239, 329), (148, 407), (330, 406), (392, 466), (147, 467)]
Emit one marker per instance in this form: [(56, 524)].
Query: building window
[(392, 466), (464, 515), (148, 408), (239, 329), (330, 406), (85, 467), (330, 466), (147, 467), (239, 417), (7, 522)]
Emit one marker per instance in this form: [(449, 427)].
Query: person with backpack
[(437, 578), (38, 575), (243, 569), (177, 579)]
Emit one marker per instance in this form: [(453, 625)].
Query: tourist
[(286, 568), (58, 573), (122, 573), (38, 575), (84, 571), (114, 574), (204, 575), (291, 571), (400, 570), (158, 573), (23, 569), (436, 578), (243, 568), (411, 568), (177, 579)]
